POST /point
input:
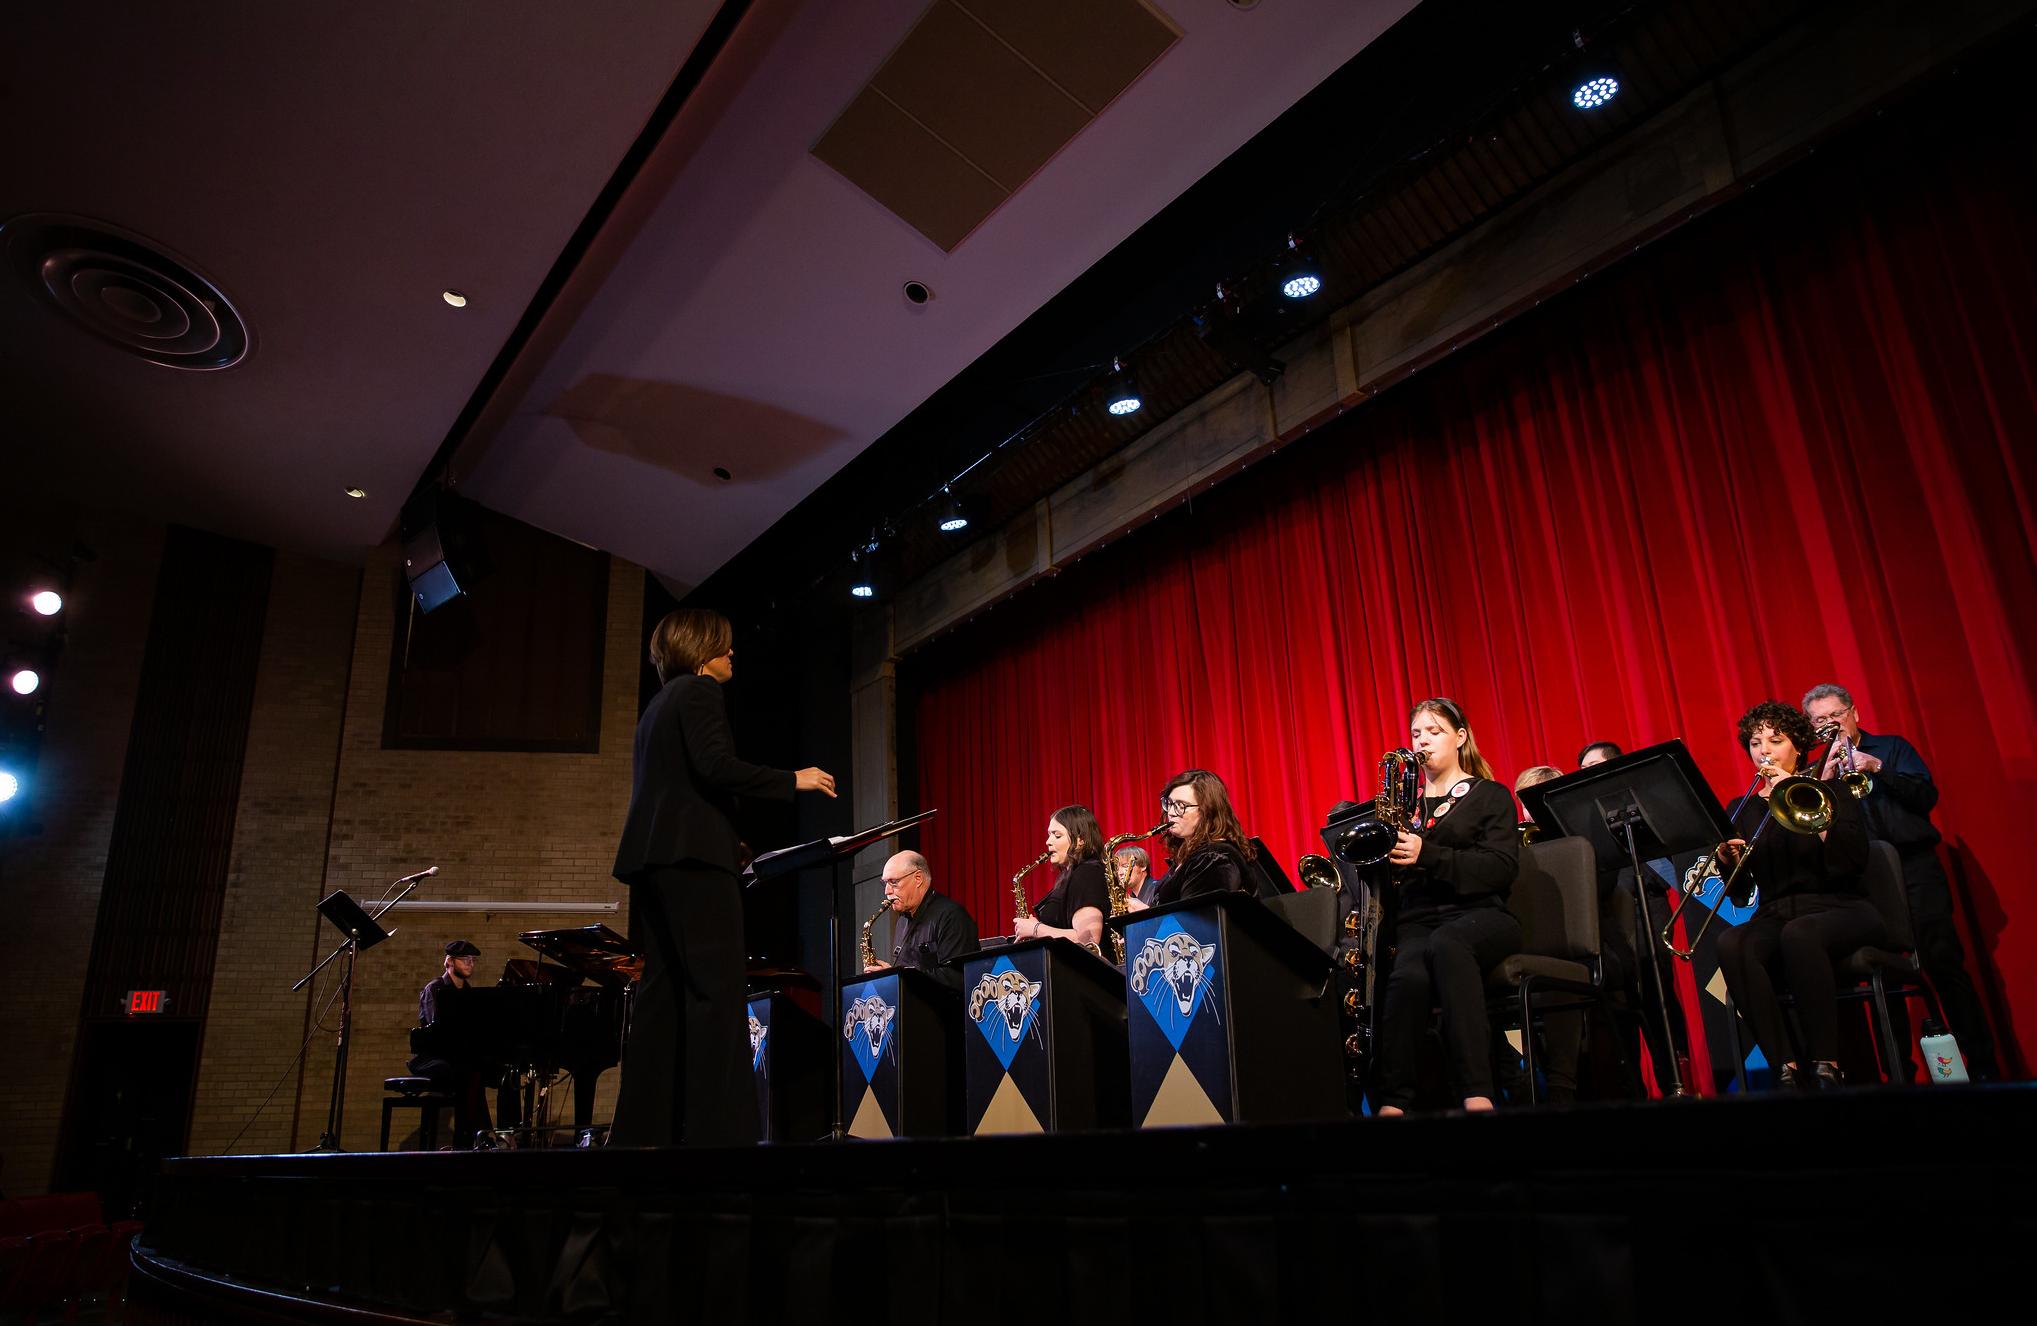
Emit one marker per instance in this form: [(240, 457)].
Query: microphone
[(422, 874)]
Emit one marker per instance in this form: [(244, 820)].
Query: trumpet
[(1858, 781), (869, 953), (1371, 841), (1798, 803)]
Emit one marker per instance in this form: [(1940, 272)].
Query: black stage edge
[(1770, 1209)]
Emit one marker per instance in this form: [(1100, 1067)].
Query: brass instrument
[(1858, 781), (1114, 885), (1798, 803), (869, 953), (1020, 909), (1398, 806), (1531, 832), (1318, 872)]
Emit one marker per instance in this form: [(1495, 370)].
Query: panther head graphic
[(1010, 993), (757, 1031), (871, 1014), (1180, 960)]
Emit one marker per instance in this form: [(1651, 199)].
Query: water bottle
[(1942, 1060)]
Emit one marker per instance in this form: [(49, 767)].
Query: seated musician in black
[(1207, 851), (450, 1070), (1453, 875), (932, 930), (1814, 907), (1135, 867), (1080, 900)]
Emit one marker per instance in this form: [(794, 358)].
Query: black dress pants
[(1440, 962), (1799, 937), (686, 1070)]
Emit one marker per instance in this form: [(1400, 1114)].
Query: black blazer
[(686, 780)]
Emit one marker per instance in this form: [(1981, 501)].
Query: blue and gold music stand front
[(1229, 1016), (895, 1033), (788, 1059), (1043, 1040)]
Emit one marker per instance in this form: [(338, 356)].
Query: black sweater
[(1471, 852), (1788, 863), (1215, 867), (1084, 886)]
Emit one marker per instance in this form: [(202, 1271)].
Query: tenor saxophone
[(1114, 885), (869, 953)]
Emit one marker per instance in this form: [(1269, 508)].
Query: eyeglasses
[(1175, 809), (891, 883)]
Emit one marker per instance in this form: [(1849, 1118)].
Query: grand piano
[(561, 1015)]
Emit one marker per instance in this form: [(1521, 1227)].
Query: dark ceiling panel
[(924, 181), (1091, 48)]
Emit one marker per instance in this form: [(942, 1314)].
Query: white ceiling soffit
[(743, 310), (331, 172)]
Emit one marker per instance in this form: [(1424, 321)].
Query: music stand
[(1646, 804), (835, 852), (362, 931)]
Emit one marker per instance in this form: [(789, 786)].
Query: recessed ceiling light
[(455, 298), (357, 492), (46, 602)]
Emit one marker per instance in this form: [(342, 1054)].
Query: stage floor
[(1771, 1208)]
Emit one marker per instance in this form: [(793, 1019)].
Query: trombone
[(1798, 803)]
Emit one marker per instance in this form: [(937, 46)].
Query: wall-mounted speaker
[(442, 555)]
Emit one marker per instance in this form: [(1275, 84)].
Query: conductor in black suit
[(686, 1071)]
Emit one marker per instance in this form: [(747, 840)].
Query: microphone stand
[(357, 926)]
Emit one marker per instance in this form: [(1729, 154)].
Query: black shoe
[(1827, 1077), (1792, 1078)]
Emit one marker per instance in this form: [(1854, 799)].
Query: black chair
[(414, 1093), (1876, 972), (1555, 898)]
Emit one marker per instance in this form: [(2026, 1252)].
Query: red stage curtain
[(1795, 443)]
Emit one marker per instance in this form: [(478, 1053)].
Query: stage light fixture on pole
[(1122, 396), (24, 681), (46, 602), (954, 513), (1300, 276), (9, 785), (1596, 85)]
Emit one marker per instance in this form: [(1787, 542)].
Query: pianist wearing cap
[(451, 1070)]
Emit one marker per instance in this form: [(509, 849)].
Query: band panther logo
[(1009, 993), (873, 1016), (757, 1033), (1178, 959)]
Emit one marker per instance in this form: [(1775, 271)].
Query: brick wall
[(501, 827), (52, 879), (267, 928)]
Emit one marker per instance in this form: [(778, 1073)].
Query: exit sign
[(145, 1001)]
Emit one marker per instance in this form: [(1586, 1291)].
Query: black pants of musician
[(467, 1084), (686, 1070), (1799, 937), (1440, 962), (1944, 959)]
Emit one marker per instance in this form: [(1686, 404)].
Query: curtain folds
[(1795, 443)]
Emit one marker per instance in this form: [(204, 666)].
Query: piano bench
[(414, 1093)]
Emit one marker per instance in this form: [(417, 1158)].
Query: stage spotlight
[(24, 681), (1299, 275), (1595, 92), (863, 572), (954, 514), (47, 602), (1123, 397), (9, 785)]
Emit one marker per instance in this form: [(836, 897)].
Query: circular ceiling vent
[(124, 290)]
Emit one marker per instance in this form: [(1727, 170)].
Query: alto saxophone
[(1114, 885), (869, 953), (1020, 910)]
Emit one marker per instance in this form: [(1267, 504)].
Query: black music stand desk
[(1229, 1016), (789, 1058), (1043, 1040), (899, 1055)]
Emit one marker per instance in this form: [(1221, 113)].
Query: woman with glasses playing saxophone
[(1455, 867), (1207, 851), (1081, 895)]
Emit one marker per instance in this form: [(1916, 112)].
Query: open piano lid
[(594, 951)]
